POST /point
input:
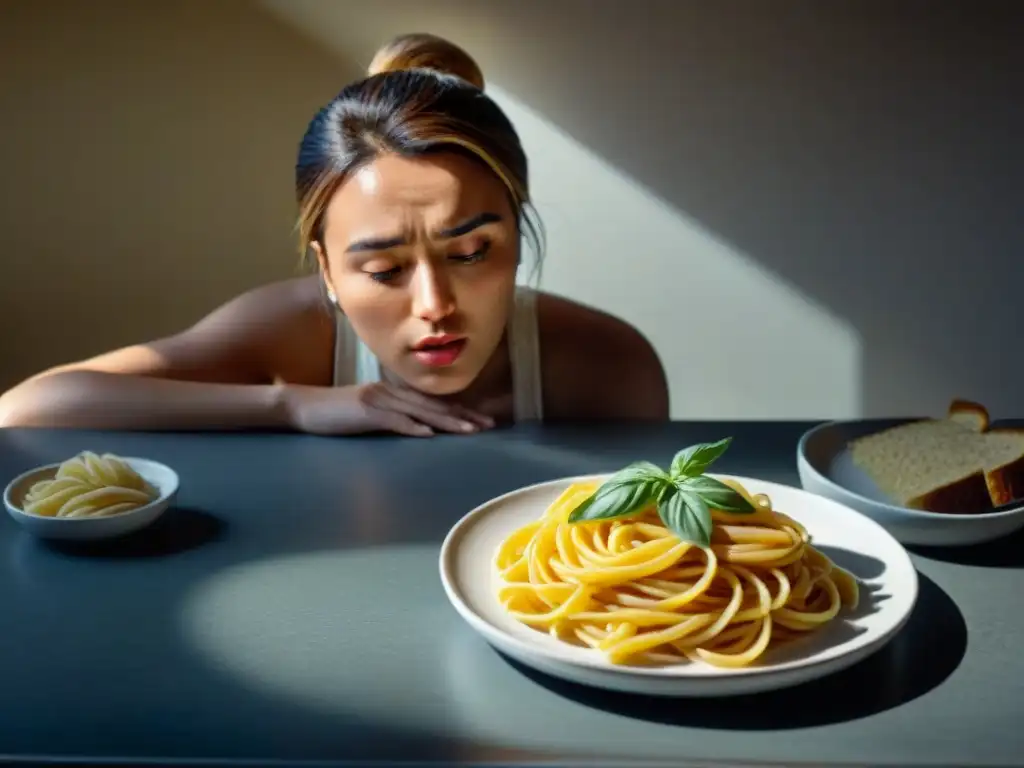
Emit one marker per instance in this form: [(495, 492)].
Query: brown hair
[(423, 94), (423, 51)]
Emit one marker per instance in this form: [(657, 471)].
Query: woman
[(413, 195)]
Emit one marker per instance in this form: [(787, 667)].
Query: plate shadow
[(909, 666), (1005, 552), (860, 565), (178, 530)]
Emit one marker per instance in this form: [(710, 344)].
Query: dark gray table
[(290, 610)]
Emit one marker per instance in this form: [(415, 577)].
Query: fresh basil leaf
[(695, 460), (639, 470), (618, 498), (716, 494), (580, 512), (688, 517), (667, 490)]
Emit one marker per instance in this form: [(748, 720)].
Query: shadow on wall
[(146, 143), (735, 340), (863, 152)]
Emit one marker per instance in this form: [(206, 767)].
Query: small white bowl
[(826, 468), (161, 477)]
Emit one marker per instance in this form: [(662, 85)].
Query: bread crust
[(960, 407), (967, 496), (1006, 482), (980, 491)]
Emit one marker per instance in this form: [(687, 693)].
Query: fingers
[(403, 425), (388, 402), (474, 417), (467, 419)]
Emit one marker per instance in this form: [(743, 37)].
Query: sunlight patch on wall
[(736, 341)]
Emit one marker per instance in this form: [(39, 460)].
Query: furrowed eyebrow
[(382, 244), (469, 225), (374, 245)]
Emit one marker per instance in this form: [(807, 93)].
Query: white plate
[(160, 476), (888, 593), (826, 468)]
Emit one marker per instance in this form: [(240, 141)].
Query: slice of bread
[(968, 414), (1004, 464), (955, 465)]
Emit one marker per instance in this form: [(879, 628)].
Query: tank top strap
[(354, 363), (524, 353)]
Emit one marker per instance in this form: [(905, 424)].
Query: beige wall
[(816, 214), (146, 154)]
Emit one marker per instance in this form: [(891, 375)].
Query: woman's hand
[(379, 406)]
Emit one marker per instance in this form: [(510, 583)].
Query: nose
[(433, 299)]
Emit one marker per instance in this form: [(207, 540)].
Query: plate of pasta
[(677, 581), (91, 496)]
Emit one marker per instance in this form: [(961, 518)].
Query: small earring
[(331, 295)]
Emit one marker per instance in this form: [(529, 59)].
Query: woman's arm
[(96, 400), (222, 373)]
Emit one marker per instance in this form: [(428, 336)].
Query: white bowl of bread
[(949, 481)]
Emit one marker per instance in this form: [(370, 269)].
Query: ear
[(325, 268), (321, 257)]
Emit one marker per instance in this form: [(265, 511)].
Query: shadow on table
[(1007, 552), (926, 652), (178, 530), (862, 566)]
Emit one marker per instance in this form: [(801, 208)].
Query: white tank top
[(354, 363)]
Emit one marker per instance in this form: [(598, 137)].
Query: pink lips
[(439, 351)]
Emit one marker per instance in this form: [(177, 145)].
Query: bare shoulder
[(597, 366), (278, 331), (282, 307)]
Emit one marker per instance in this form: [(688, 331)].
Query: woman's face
[(422, 256)]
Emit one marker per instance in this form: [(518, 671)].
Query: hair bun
[(423, 51)]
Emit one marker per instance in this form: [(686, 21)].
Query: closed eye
[(478, 255), (386, 276)]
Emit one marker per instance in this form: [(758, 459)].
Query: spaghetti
[(635, 591), (89, 485)]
